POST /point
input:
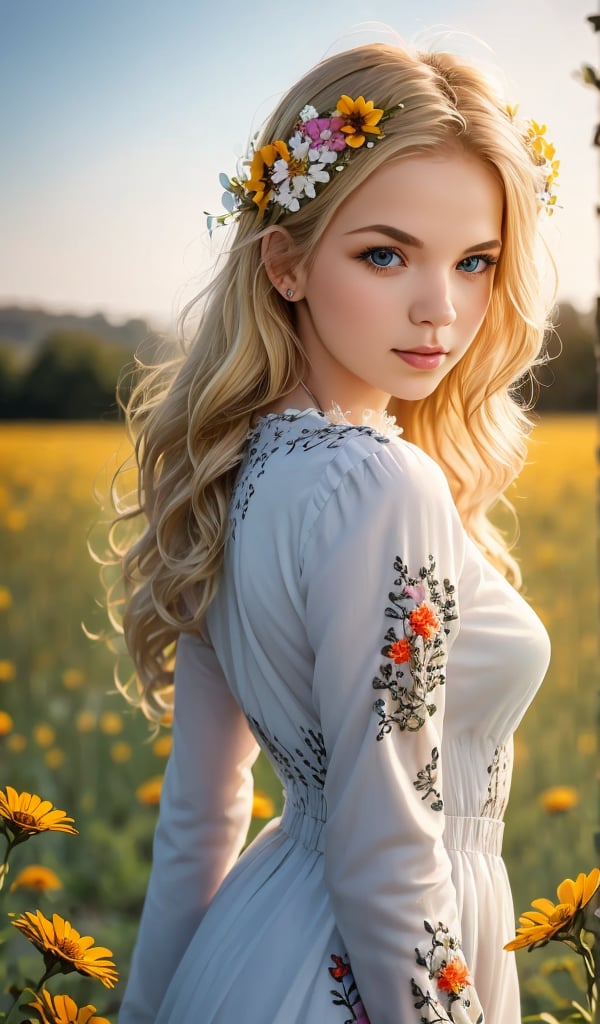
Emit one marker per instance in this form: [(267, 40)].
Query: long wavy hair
[(190, 417)]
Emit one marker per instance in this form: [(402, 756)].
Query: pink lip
[(422, 358)]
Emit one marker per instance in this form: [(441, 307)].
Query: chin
[(416, 392)]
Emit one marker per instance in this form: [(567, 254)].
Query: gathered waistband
[(479, 835), (305, 813)]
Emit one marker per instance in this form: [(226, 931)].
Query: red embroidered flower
[(341, 969), (424, 621), (454, 976), (399, 651)]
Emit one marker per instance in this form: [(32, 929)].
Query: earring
[(289, 293)]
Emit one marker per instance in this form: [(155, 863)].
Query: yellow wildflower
[(16, 743), (547, 920), (63, 946), (63, 1010), (586, 743), (162, 746), (6, 723), (8, 671), (558, 799), (36, 878), (121, 752), (85, 721), (26, 814), (149, 792), (6, 598), (111, 723), (54, 758), (262, 805), (72, 678), (44, 734)]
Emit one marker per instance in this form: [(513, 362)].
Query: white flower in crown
[(307, 113), (296, 178)]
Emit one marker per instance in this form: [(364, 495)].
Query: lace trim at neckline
[(382, 422)]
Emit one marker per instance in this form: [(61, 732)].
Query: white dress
[(362, 641)]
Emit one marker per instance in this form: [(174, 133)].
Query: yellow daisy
[(37, 878), (64, 948), (549, 919), (362, 118), (26, 814), (63, 1010)]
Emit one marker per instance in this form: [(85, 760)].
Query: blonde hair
[(190, 418)]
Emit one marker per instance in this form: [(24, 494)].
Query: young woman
[(337, 593)]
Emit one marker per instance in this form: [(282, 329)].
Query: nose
[(432, 304)]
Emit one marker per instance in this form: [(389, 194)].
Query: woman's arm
[(381, 563), (205, 811)]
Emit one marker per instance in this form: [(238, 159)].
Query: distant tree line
[(71, 376), (72, 373)]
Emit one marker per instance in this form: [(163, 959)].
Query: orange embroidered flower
[(424, 620), (341, 968), (399, 651), (454, 976)]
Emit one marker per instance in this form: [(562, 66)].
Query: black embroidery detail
[(423, 607), (348, 996), (265, 440), (426, 781), (313, 757), (498, 785), (446, 966)]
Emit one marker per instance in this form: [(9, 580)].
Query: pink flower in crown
[(325, 132)]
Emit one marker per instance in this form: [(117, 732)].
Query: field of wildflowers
[(66, 735)]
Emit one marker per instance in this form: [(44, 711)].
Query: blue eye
[(381, 258), (476, 264)]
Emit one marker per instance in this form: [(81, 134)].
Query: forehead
[(424, 195)]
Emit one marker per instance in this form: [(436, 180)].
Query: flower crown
[(284, 175), (543, 153)]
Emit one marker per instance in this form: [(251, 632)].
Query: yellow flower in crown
[(259, 181), (543, 153), (362, 119), (281, 176)]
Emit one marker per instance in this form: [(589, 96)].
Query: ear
[(282, 263)]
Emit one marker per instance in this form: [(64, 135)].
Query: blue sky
[(117, 116)]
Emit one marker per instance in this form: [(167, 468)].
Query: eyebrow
[(403, 236)]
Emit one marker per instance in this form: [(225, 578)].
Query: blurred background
[(117, 117)]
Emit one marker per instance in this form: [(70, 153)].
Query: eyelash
[(364, 256)]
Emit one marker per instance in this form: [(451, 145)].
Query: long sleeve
[(381, 563), (205, 811)]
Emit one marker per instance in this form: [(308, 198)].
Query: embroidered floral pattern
[(499, 783), (426, 782), (415, 648), (455, 998), (305, 766), (267, 439), (347, 993)]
